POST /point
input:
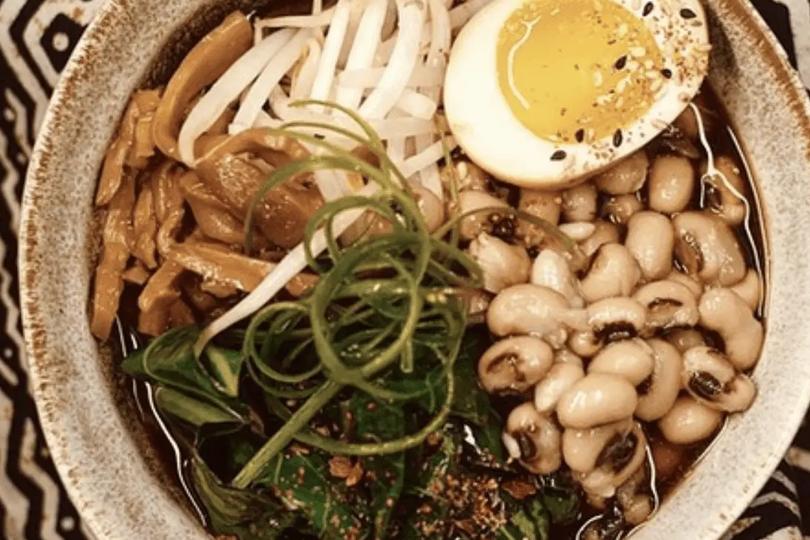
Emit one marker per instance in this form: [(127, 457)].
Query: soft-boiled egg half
[(543, 93)]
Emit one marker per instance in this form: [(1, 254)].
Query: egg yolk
[(577, 70)]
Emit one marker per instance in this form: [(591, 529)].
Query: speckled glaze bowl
[(109, 467)]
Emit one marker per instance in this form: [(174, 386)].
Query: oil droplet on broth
[(578, 69)]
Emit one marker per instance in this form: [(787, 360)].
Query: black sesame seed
[(621, 62), (687, 13), (667, 73), (559, 155), (617, 138), (648, 7), (580, 135)]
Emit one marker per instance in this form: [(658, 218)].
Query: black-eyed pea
[(688, 421)]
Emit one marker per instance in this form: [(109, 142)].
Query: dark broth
[(750, 233)]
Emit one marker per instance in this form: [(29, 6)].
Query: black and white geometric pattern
[(36, 37)]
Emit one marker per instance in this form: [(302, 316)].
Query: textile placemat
[(36, 38)]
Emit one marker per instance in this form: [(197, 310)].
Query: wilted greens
[(353, 412)]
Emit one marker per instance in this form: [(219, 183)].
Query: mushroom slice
[(136, 274), (688, 421), (502, 264), (168, 202), (220, 265), (554, 384), (235, 178), (211, 215), (706, 247), (115, 251), (534, 439), (514, 365), (157, 297), (596, 399), (669, 305), (530, 309), (712, 380), (143, 144), (723, 311), (659, 392), (144, 227), (113, 170), (631, 359), (206, 62), (614, 272)]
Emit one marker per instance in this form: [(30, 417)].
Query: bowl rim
[(111, 13)]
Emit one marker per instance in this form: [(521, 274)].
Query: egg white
[(487, 130)]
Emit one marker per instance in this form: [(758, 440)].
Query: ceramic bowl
[(121, 488)]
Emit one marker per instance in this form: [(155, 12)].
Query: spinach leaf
[(191, 410), (425, 489), (385, 475), (471, 402), (169, 362), (529, 521), (245, 514), (226, 452), (488, 438), (133, 365), (225, 365), (301, 478), (562, 503)]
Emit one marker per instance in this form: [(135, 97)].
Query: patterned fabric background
[(36, 38)]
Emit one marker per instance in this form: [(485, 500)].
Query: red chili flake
[(519, 489), (340, 466)]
